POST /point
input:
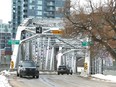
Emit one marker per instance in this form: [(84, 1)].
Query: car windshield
[(62, 66), (28, 64)]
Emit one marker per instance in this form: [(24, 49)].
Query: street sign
[(10, 42), (87, 43), (56, 31), (38, 29)]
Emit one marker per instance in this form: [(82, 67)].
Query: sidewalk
[(108, 78)]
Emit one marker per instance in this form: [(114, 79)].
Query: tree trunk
[(110, 50)]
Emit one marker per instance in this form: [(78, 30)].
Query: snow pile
[(3, 80), (105, 77), (5, 72)]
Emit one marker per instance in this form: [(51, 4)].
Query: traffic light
[(38, 29)]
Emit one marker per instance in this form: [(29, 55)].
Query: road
[(58, 81)]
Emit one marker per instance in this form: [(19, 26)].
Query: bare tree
[(96, 20)]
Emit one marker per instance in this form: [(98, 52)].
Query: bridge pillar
[(52, 59), (59, 55), (30, 50), (47, 54)]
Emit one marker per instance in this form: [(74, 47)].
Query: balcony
[(49, 15), (50, 9), (50, 4)]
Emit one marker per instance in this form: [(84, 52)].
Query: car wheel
[(33, 76), (17, 74), (58, 73), (37, 76), (20, 74)]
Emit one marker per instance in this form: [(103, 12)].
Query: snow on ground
[(4, 79), (108, 78)]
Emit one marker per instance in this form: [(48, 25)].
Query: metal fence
[(101, 66)]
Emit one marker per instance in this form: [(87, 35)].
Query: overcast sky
[(5, 10)]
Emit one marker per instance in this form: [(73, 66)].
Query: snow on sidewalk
[(109, 78), (3, 79)]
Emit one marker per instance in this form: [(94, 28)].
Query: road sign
[(56, 31), (12, 64), (87, 43), (38, 29), (10, 42)]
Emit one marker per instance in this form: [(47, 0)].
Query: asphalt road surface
[(58, 81)]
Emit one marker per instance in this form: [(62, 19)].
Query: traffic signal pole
[(87, 59)]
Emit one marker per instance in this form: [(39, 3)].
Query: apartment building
[(22, 9), (5, 48)]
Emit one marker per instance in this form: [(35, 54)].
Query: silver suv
[(28, 68)]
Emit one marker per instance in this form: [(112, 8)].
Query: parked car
[(27, 68), (63, 69)]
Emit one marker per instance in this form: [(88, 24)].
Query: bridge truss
[(46, 49)]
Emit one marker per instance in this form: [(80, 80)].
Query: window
[(39, 2), (25, 5), (28, 64), (19, 1), (31, 7), (24, 10), (24, 16), (19, 7), (14, 35), (39, 13), (32, 1), (25, 0), (3, 37), (2, 46), (50, 3), (39, 7)]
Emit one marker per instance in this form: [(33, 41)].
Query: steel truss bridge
[(46, 49)]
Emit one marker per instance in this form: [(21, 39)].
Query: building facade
[(22, 9), (5, 48), (5, 34), (4, 37), (5, 27)]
